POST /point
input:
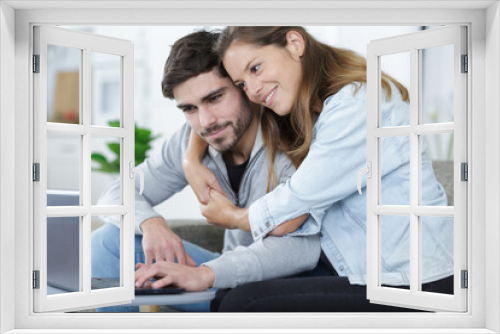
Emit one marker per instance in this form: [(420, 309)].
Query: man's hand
[(168, 273), (222, 212), (161, 244)]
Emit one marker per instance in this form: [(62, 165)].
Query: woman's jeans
[(319, 290), (106, 263)]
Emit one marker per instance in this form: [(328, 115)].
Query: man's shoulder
[(180, 138), (177, 144), (184, 131), (281, 160)]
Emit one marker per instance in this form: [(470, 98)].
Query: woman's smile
[(268, 100)]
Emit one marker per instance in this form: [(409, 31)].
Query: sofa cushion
[(205, 235), (444, 174)]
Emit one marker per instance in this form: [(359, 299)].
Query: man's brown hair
[(190, 56)]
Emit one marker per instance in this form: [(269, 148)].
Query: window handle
[(134, 170), (368, 171)]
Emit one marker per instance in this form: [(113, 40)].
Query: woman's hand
[(201, 179), (222, 212), (171, 273), (198, 175)]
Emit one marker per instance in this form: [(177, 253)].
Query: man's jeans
[(106, 263)]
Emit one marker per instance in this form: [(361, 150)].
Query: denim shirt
[(325, 187)]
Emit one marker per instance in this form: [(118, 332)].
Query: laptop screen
[(63, 243)]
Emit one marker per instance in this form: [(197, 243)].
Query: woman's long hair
[(326, 70)]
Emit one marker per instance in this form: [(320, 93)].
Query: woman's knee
[(244, 298), (227, 300)]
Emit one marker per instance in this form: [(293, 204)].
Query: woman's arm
[(198, 175), (327, 175), (222, 212), (288, 227)]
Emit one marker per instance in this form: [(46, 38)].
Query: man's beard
[(242, 123)]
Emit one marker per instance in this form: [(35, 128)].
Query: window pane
[(437, 84), (395, 252), (63, 166), (395, 170), (106, 89), (63, 84), (398, 67), (63, 255), (437, 252), (106, 270), (437, 163), (105, 167)]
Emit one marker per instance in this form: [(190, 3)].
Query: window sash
[(87, 43), (413, 43)]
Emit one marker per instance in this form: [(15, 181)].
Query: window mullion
[(128, 188), (435, 211), (421, 129), (414, 170), (372, 189), (436, 128), (86, 103), (76, 129)]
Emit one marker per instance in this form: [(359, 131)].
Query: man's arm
[(270, 258), (163, 177)]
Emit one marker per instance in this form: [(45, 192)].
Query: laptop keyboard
[(104, 283)]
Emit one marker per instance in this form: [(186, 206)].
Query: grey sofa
[(211, 237)]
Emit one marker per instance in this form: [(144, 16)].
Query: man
[(220, 113)]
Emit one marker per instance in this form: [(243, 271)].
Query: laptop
[(63, 243), (63, 251), (105, 282)]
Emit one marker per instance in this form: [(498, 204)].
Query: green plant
[(143, 138)]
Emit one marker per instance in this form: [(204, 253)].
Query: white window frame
[(484, 103), (413, 44), (86, 43)]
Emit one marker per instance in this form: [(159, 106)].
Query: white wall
[(492, 184), (7, 165)]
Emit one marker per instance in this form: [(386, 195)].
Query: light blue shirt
[(325, 187)]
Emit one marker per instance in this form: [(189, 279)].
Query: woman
[(315, 101)]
